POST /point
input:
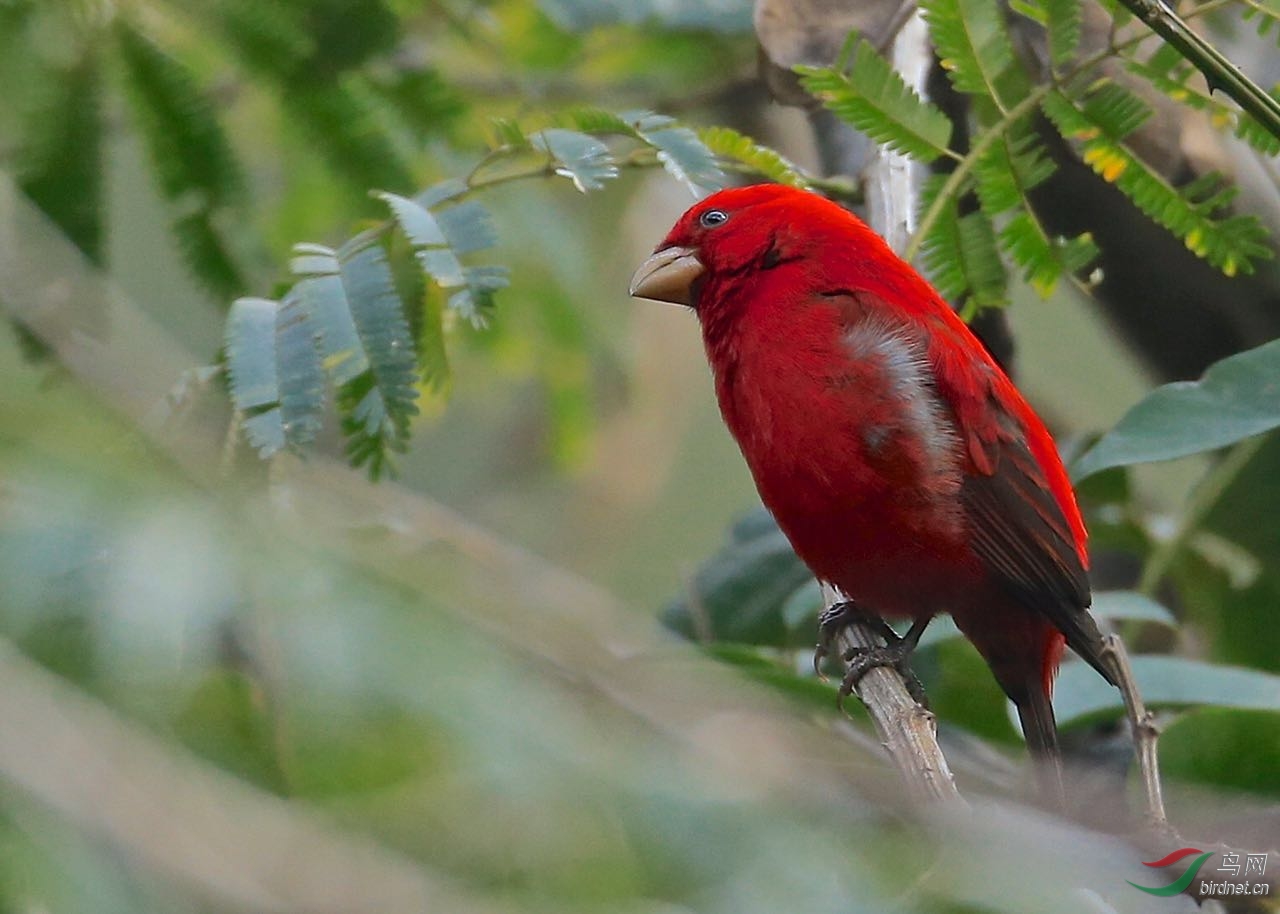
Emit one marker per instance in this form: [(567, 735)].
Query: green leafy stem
[(1220, 73)]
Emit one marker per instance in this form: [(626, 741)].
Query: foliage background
[(234, 686)]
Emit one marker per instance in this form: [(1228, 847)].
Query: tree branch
[(907, 730), (1219, 72)]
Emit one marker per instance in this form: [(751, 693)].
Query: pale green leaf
[(1165, 682), (1237, 398), (582, 159)]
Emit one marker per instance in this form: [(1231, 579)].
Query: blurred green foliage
[(275, 686)]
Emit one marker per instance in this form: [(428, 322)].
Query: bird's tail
[(1035, 713)]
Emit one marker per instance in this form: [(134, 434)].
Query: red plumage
[(895, 454)]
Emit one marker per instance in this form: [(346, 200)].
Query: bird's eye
[(713, 217)]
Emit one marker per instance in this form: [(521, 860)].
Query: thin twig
[(1145, 732)]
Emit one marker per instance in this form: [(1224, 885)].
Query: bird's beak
[(668, 276)]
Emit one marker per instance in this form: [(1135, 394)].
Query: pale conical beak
[(668, 276)]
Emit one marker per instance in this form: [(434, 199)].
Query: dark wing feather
[(1018, 530)]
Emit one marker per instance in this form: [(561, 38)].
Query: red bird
[(899, 460)]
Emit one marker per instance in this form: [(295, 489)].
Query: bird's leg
[(839, 616), (860, 660)]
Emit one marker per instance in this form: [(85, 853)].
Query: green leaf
[(680, 151), (321, 290), (191, 153), (300, 373), (1268, 16), (274, 369), (1174, 79), (368, 351), (271, 38), (433, 357), (468, 226), (941, 247), (345, 122), (379, 317), (197, 170), (973, 45), (426, 104), (1044, 260), (728, 143), (874, 98), (1237, 398), (599, 121), (475, 301), (438, 239), (1063, 19), (251, 365), (416, 221), (739, 593), (983, 269), (1222, 747), (1009, 169), (960, 254), (1165, 682), (582, 159), (1005, 174), (1230, 243), (59, 162)]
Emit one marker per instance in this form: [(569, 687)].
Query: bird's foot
[(861, 660)]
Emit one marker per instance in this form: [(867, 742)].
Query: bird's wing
[(1022, 515)]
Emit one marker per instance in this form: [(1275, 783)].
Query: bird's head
[(727, 233)]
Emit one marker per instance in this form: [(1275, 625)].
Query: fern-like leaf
[(1174, 80), (600, 122), (1004, 175), (251, 365), (1267, 15), (274, 369), (1009, 169), (350, 296), (729, 144), (680, 151), (271, 38), (581, 158), (1098, 126), (962, 257), (190, 150), (874, 98), (197, 170), (59, 163), (973, 44), (1061, 20), (344, 119), (1044, 260), (440, 237)]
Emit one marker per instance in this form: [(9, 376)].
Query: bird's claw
[(860, 661)]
